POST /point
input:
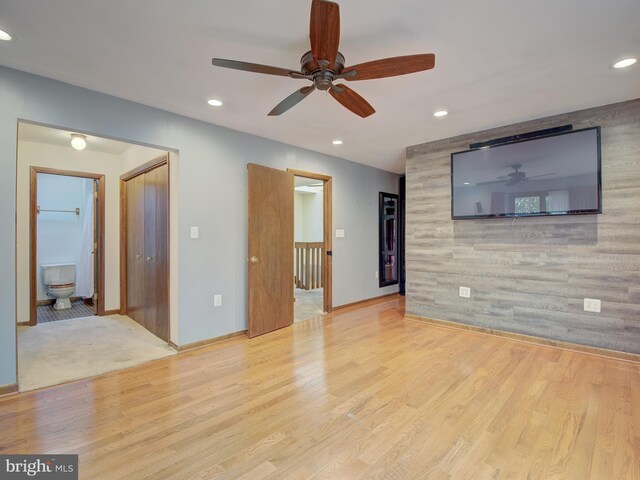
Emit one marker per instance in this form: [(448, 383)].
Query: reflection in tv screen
[(554, 175)]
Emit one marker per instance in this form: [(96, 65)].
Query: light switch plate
[(195, 232), (217, 300), (340, 233), (592, 305), (465, 292)]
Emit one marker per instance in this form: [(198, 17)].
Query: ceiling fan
[(514, 177), (324, 64)]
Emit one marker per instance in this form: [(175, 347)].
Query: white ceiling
[(497, 62), (53, 136)]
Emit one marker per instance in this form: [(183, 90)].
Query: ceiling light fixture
[(337, 141), (4, 36), (79, 142), (627, 62), (440, 113), (215, 103), (466, 183)]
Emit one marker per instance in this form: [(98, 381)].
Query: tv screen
[(553, 175)]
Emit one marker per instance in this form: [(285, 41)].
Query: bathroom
[(65, 247)]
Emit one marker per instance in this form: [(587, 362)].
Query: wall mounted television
[(556, 174)]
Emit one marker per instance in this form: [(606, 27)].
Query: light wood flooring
[(360, 393), (308, 304)]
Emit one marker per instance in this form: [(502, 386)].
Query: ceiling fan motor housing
[(322, 78)]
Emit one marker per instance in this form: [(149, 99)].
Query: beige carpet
[(308, 304), (66, 350)]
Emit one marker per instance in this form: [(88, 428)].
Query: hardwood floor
[(360, 393)]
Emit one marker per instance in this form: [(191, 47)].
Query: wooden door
[(270, 286), (147, 249), (96, 246), (135, 196), (156, 207)]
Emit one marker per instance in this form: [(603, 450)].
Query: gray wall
[(531, 276), (212, 195)]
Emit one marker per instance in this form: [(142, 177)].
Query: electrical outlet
[(195, 232), (465, 292), (592, 305), (376, 274), (217, 300)]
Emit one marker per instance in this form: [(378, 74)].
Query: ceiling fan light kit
[(324, 64)]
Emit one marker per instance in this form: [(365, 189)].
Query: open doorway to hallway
[(309, 248), (271, 264), (70, 321), (312, 245)]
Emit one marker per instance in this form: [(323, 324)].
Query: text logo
[(50, 467)]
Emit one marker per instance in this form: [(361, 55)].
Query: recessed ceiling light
[(440, 113), (627, 62), (215, 103), (4, 36), (337, 141), (79, 142), (466, 183)]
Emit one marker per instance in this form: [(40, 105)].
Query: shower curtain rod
[(76, 211)]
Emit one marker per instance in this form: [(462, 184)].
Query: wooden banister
[(308, 265)]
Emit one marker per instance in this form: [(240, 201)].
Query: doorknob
[(149, 259), (138, 256), (254, 259)]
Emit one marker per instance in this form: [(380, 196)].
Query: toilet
[(60, 279)]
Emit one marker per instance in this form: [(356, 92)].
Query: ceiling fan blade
[(389, 67), (491, 182), (292, 100), (538, 176), (351, 100), (324, 31), (257, 68)]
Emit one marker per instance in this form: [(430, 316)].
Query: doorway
[(65, 244), (99, 339), (313, 257), (309, 250), (270, 259)]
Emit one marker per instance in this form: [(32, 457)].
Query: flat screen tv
[(552, 175)]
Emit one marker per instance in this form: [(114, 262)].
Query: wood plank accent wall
[(530, 275)]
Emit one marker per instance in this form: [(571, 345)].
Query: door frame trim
[(140, 170), (327, 229), (33, 234)]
